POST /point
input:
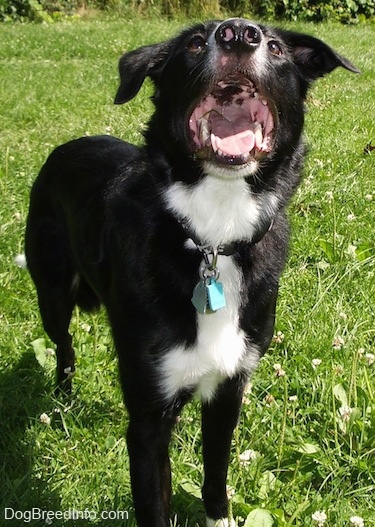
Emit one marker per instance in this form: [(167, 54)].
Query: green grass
[(58, 82)]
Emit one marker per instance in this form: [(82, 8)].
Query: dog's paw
[(222, 522)]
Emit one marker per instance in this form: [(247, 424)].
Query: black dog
[(184, 239)]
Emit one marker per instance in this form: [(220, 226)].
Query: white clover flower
[(269, 399), (351, 217), (315, 363), (352, 250), (279, 337), (50, 352), (338, 369), (357, 521), (319, 517), (230, 492), (345, 413), (279, 372), (247, 456), (69, 373), (293, 399), (370, 358), (246, 399), (45, 419), (338, 343), (248, 387), (329, 195)]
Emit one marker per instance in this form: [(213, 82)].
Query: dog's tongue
[(232, 138)]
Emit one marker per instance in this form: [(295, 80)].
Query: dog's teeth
[(264, 102), (220, 153), (204, 131), (213, 142), (266, 145), (258, 133)]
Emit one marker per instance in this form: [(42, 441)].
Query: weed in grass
[(306, 441)]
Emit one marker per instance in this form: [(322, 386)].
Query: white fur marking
[(219, 351), (220, 211)]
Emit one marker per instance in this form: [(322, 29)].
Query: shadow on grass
[(25, 393), (22, 399)]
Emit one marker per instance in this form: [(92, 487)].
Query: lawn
[(306, 440)]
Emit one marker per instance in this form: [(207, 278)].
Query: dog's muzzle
[(234, 123)]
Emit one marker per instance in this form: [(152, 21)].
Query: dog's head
[(230, 94)]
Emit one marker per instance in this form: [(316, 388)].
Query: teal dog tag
[(199, 298), (208, 296), (215, 295)]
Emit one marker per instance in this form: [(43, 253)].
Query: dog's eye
[(197, 44), (274, 47)]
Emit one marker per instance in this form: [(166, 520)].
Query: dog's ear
[(136, 65), (313, 57)]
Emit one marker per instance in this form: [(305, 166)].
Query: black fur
[(101, 230)]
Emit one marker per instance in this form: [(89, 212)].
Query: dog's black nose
[(237, 34)]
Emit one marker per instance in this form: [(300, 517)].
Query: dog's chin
[(231, 172)]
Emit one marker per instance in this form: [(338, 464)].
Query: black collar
[(227, 249)]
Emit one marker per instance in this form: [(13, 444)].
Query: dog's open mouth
[(233, 124)]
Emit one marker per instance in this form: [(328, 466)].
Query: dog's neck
[(219, 213), (227, 249)]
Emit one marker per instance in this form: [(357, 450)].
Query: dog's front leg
[(219, 418), (148, 439)]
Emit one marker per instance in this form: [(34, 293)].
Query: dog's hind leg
[(219, 418), (56, 311), (52, 271)]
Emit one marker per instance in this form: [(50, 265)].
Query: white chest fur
[(219, 211), (220, 350)]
